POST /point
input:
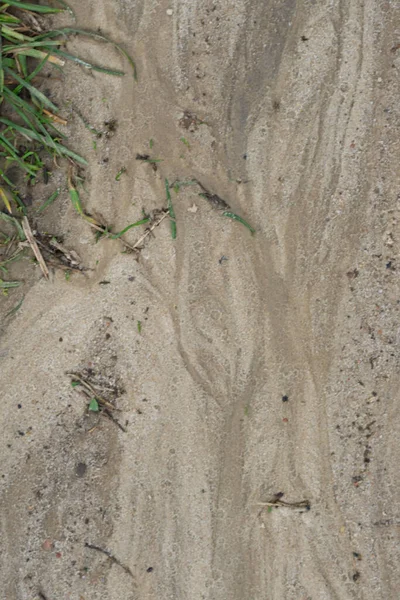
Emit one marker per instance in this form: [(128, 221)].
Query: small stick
[(113, 419), (111, 557), (91, 389), (32, 242), (56, 265), (150, 230), (103, 230), (302, 504)]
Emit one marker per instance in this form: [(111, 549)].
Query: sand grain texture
[(300, 108)]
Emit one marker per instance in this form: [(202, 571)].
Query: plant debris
[(111, 557)]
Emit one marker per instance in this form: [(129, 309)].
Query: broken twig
[(32, 242), (111, 557)]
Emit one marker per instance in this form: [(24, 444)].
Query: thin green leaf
[(12, 155), (235, 217), (32, 90), (33, 7), (88, 65), (1, 68), (97, 36), (49, 201), (115, 236), (5, 18), (6, 285), (120, 172), (9, 33), (171, 211), (14, 221), (33, 135), (16, 308), (66, 7), (21, 58), (5, 199), (139, 326), (76, 203), (33, 44)]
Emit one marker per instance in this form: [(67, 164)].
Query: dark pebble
[(80, 469)]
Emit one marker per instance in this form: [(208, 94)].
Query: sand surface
[(274, 370)]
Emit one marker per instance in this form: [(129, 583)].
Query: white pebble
[(170, 12)]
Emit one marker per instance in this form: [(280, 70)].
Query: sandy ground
[(275, 371)]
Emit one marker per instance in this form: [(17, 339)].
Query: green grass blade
[(115, 236), (16, 308), (88, 65), (32, 90), (67, 152), (4, 18), (1, 67), (76, 203), (6, 285), (235, 217), (34, 7), (34, 135), (10, 34), (34, 44), (66, 7), (5, 199), (39, 119), (11, 154), (171, 211), (31, 119), (49, 201), (14, 221), (97, 36)]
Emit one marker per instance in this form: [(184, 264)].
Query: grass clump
[(29, 119)]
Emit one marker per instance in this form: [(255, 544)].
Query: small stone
[(170, 12), (80, 469), (47, 545)]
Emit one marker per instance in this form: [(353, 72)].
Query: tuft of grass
[(29, 118)]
